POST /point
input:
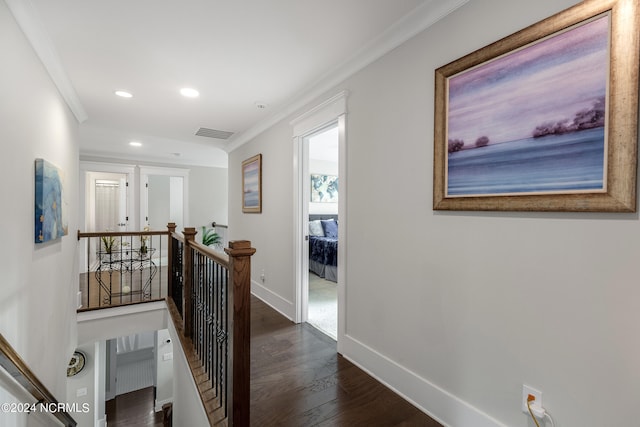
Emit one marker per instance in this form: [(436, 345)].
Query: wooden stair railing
[(11, 361), (208, 297), (212, 315)]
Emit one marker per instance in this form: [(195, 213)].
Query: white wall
[(37, 297), (176, 200), (187, 406), (208, 190), (271, 231), (461, 308), (85, 382), (164, 369), (14, 394)]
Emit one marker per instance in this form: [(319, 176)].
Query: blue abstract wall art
[(50, 223), (324, 188)]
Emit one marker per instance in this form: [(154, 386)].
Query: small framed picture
[(252, 184)]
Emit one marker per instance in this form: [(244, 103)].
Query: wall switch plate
[(526, 391), (81, 392), (167, 356)]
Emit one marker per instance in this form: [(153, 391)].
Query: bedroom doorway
[(322, 274), (326, 121)]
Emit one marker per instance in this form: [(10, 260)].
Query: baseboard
[(159, 403), (102, 422), (275, 301), (444, 407)]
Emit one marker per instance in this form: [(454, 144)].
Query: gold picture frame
[(489, 90), (252, 184)]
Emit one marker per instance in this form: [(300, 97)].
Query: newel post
[(171, 228), (187, 274), (240, 252)]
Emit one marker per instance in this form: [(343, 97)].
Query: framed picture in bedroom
[(324, 188), (544, 119), (252, 184)]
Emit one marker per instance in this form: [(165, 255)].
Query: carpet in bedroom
[(323, 305)]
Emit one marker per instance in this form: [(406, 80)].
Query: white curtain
[(107, 205)]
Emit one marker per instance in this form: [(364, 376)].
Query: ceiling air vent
[(214, 133)]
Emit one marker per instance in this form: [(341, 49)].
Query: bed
[(323, 246)]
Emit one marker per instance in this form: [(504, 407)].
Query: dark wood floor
[(298, 379), (133, 409)]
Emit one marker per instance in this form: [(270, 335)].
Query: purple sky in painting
[(505, 99)]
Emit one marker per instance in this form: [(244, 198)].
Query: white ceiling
[(236, 53)]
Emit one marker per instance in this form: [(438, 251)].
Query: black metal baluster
[(210, 317), (207, 317), (225, 318), (199, 329), (216, 324), (203, 266), (89, 272), (176, 266), (196, 275), (193, 296)]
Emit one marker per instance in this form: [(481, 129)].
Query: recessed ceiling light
[(123, 94), (135, 144), (189, 92)]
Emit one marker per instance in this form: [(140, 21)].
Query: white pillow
[(315, 228)]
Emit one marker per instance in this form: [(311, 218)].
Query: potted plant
[(209, 236), (108, 243), (143, 243)]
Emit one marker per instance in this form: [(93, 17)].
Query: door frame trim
[(333, 110)]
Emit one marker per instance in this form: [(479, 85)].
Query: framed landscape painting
[(252, 184), (544, 119)]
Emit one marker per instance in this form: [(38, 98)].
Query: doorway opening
[(138, 378), (322, 275), (164, 197), (107, 193), (326, 120)]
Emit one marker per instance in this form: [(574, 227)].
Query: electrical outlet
[(526, 391), (262, 276)]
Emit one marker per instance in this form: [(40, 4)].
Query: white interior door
[(164, 197)]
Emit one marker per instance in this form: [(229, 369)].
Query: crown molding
[(404, 29), (29, 22)]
